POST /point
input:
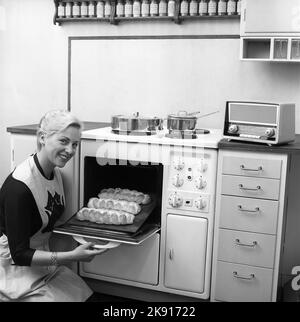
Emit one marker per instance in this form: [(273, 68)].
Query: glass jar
[(145, 8), (91, 9), (128, 8), (76, 9), (100, 9), (184, 8), (84, 9), (193, 8), (153, 8), (61, 10), (231, 7), (120, 10), (171, 8), (69, 9), (212, 7), (162, 8), (222, 7), (136, 8), (107, 9), (238, 7), (203, 7)]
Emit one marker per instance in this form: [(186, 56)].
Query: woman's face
[(60, 147)]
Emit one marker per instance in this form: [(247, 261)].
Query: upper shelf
[(140, 10)]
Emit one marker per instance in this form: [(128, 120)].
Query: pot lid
[(134, 116), (184, 115)]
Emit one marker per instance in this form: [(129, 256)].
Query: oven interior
[(146, 178)]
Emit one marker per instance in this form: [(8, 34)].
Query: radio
[(271, 123)]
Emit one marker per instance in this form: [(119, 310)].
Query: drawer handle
[(248, 169), (238, 243), (240, 208), (251, 189), (249, 278), (171, 254)]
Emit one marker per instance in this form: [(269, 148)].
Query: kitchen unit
[(270, 30), (255, 240)]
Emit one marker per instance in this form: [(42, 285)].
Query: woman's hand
[(86, 252)]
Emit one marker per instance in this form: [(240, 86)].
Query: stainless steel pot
[(183, 121), (136, 123)]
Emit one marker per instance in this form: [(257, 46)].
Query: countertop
[(31, 128)]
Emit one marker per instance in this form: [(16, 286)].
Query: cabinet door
[(185, 253), (271, 16), (22, 146)]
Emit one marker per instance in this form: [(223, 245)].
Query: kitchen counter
[(293, 147), (31, 128)]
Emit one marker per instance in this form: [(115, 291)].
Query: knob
[(233, 128), (269, 132), (203, 166), (178, 164), (200, 203), (177, 181), (175, 200), (200, 183)]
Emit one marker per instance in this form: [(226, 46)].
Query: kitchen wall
[(34, 69)]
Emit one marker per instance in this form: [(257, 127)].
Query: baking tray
[(138, 221)]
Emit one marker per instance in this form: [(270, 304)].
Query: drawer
[(256, 215), (246, 248), (242, 283), (250, 187), (263, 168)]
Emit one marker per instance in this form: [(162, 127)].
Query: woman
[(31, 201)]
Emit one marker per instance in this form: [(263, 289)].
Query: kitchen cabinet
[(185, 253), (270, 30), (109, 11), (249, 225)]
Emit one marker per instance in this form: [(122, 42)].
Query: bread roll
[(105, 216), (125, 194)]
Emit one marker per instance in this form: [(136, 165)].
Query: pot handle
[(215, 112)]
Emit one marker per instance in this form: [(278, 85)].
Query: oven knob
[(269, 132), (233, 128), (200, 183), (175, 200), (177, 181), (178, 164), (202, 167), (200, 203)]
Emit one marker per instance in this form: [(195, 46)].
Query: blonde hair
[(56, 121)]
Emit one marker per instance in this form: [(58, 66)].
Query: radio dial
[(233, 128), (200, 183), (200, 203), (269, 132), (175, 200), (177, 181)]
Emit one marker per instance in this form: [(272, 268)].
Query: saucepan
[(183, 121)]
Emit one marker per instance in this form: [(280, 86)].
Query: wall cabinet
[(270, 30), (248, 226)]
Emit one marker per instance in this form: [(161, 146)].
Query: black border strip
[(161, 37)]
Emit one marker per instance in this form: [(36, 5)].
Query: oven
[(168, 247)]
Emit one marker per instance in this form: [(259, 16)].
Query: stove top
[(202, 138)]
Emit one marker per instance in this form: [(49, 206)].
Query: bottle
[(69, 10), (238, 7), (193, 8), (76, 9), (61, 10), (153, 8), (203, 7), (212, 7), (184, 8), (91, 9), (107, 9), (84, 9), (222, 8), (136, 8), (128, 8), (162, 8), (120, 10), (145, 8), (100, 9), (171, 8), (231, 7)]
